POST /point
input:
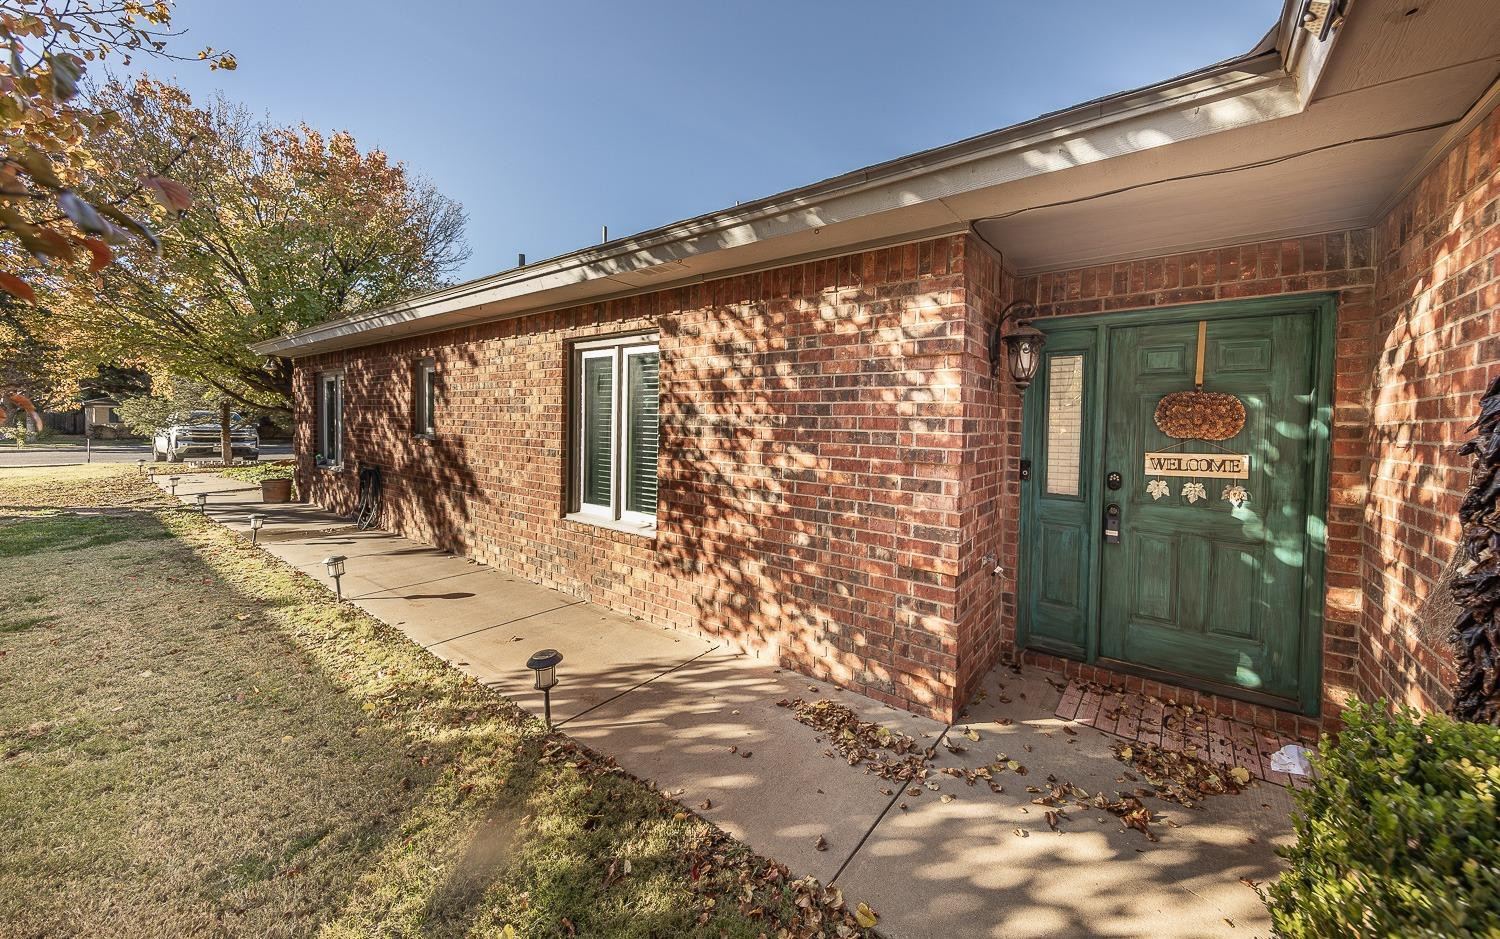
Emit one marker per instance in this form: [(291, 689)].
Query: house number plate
[(1207, 465)]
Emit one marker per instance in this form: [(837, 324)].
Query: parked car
[(197, 434)]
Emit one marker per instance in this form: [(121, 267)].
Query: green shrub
[(255, 472), (1398, 836)]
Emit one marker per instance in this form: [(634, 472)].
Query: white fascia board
[(1233, 94)]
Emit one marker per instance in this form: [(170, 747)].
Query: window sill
[(424, 438), (329, 467), (629, 528)]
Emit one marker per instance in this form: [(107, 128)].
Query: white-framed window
[(329, 443), (616, 400), (1064, 424), (424, 398)]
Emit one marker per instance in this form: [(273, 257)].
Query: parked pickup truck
[(197, 435)]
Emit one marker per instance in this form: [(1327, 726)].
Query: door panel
[(1062, 566), (1059, 597), (1201, 588), (1153, 553)]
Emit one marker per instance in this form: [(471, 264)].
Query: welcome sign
[(1209, 465)]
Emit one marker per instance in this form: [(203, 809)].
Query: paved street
[(103, 453)]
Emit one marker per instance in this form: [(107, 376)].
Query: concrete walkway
[(703, 723)]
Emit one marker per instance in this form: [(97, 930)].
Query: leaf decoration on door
[(1157, 488), (1199, 414), (1193, 492), (1235, 495)]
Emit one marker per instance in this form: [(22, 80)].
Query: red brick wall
[(1436, 345), (990, 491), (1341, 263), (813, 431)]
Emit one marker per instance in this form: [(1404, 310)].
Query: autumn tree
[(68, 196), (288, 227)]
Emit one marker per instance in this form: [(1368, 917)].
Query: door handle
[(1112, 524)]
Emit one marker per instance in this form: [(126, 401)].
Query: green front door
[(1153, 569)]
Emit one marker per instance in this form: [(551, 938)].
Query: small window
[(616, 397), (329, 449), (1064, 424), (424, 399)]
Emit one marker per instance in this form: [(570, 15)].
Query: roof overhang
[(1280, 141)]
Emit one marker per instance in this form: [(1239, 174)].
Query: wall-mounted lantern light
[(544, 665), (1021, 346), (335, 565), (172, 482), (202, 498), (257, 522)]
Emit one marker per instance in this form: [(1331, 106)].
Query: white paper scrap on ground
[(1292, 758)]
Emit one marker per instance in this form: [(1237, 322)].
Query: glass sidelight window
[(424, 398), (1064, 424), (329, 433), (616, 406)]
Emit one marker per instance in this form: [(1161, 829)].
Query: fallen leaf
[(865, 916)]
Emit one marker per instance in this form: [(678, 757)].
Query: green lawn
[(196, 740)]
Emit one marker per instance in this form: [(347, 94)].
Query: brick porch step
[(1172, 726)]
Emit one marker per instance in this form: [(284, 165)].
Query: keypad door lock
[(1114, 481), (1112, 524)]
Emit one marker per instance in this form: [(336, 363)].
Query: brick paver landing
[(1173, 726)]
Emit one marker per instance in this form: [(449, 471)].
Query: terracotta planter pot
[(275, 490)]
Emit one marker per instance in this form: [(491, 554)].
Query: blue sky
[(548, 120)]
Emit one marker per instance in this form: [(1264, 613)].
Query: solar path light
[(140, 466), (544, 665), (202, 498), (172, 482), (257, 522), (335, 565)]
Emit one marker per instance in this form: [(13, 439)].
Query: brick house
[(783, 425)]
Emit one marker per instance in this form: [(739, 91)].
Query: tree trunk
[(226, 445), (1476, 635)]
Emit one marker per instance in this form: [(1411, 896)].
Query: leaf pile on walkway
[(807, 908), (887, 753), (719, 869), (1057, 796), (1178, 776)]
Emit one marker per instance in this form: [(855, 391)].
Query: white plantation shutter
[(643, 403), (598, 429)]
